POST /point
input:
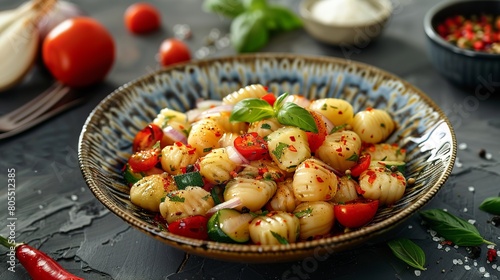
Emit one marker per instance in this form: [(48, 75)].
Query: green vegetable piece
[(491, 205), (248, 32), (130, 176), (192, 179), (453, 228), (409, 252), (293, 114), (278, 152), (394, 165), (280, 238), (175, 198), (226, 8), (229, 226), (251, 110)]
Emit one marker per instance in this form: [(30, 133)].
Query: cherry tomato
[(142, 18), (173, 51), (269, 98), (144, 160), (316, 139), (79, 52), (251, 146), (193, 227), (363, 164), (147, 137), (355, 214)]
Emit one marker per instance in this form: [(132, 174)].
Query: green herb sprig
[(453, 228), (409, 252), (491, 205), (287, 113), (253, 21)]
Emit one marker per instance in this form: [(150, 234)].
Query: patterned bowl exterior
[(463, 67), (424, 131)]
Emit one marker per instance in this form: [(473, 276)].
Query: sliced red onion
[(61, 11), (328, 123), (193, 114), (229, 204), (215, 111), (174, 134), (235, 156), (207, 104)]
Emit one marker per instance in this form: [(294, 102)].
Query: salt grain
[(462, 146), (447, 249), (435, 238), (482, 269), (471, 222), (471, 188), (74, 197), (465, 210), (410, 226), (487, 275), (455, 261), (440, 246), (467, 267), (418, 272)]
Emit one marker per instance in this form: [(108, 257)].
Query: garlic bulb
[(19, 40)]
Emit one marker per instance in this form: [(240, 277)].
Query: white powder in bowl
[(345, 12)]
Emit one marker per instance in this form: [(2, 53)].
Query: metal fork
[(51, 102)]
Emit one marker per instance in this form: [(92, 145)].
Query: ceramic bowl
[(358, 34), (463, 67), (424, 131)]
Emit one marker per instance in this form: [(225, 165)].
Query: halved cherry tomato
[(144, 160), (193, 227), (147, 137), (142, 18), (251, 146), (362, 165), (269, 98), (79, 52), (316, 139), (173, 51), (355, 214)]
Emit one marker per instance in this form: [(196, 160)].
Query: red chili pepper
[(492, 255), (38, 264)]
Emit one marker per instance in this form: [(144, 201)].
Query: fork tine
[(32, 105), (35, 111)]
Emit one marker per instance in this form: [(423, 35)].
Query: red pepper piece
[(40, 266)]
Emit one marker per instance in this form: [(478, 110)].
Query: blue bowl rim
[(431, 32)]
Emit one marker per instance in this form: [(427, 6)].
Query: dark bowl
[(464, 67)]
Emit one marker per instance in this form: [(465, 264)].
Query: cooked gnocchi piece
[(148, 192), (253, 193), (340, 150), (314, 181), (216, 167), (264, 127), (177, 156), (379, 183), (288, 147), (346, 191), (284, 198), (190, 201), (316, 219), (385, 151), (337, 111), (204, 136), (277, 227), (251, 91), (373, 125)]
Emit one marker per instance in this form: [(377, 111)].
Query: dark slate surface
[(57, 213)]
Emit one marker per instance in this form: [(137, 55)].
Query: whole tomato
[(79, 52), (173, 51), (142, 18)]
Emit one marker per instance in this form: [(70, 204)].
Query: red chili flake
[(359, 190), (339, 149), (306, 165), (217, 134), (292, 138), (492, 255), (257, 223), (319, 179), (183, 170), (369, 109), (178, 144), (363, 131), (263, 170), (233, 174), (328, 197), (340, 112), (259, 177), (447, 242), (292, 148), (181, 126), (372, 176)]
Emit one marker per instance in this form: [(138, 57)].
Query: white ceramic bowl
[(353, 33)]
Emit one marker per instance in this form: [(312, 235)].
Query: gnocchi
[(289, 191)]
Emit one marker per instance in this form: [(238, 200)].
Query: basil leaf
[(293, 114), (248, 31), (255, 4), (282, 19), (491, 205), (409, 252), (453, 228), (226, 8), (279, 102), (251, 110), (280, 238)]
